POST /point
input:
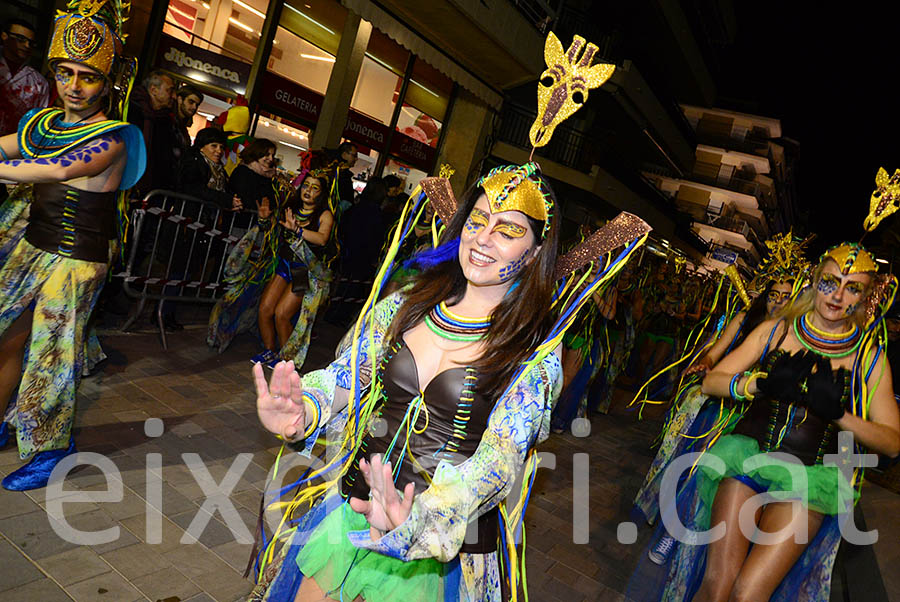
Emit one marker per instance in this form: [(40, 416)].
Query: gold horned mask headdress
[(853, 258), (90, 33), (562, 90), (563, 87)]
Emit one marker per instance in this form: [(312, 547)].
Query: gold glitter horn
[(735, 277)]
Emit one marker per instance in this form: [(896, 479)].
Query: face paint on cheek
[(511, 269), (851, 309)]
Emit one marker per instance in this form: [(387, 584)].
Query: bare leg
[(271, 294), (288, 305), (12, 353), (725, 557), (572, 359), (767, 565), (311, 592)]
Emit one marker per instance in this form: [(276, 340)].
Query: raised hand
[(279, 404), (825, 391), (236, 204), (263, 208), (385, 510), (289, 222)]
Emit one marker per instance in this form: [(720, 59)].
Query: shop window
[(209, 109), (307, 41), (425, 104), (410, 175), (380, 78), (319, 22), (230, 27), (301, 62), (291, 139)]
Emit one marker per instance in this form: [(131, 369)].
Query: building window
[(410, 175), (425, 104), (378, 87), (230, 27), (291, 139), (307, 41)]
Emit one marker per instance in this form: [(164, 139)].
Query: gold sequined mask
[(563, 87), (517, 188), (885, 198), (851, 258)]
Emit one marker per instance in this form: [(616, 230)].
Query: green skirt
[(344, 571), (824, 489)]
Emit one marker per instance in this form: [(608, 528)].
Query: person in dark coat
[(202, 174), (362, 233), (150, 109), (251, 180)]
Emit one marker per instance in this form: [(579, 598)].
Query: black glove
[(825, 391), (784, 378)]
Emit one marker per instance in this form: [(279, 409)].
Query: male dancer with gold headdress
[(71, 164)]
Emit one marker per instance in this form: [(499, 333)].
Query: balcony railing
[(750, 143), (566, 147), (729, 180), (538, 12)]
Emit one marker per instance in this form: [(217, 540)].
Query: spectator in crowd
[(202, 174), (150, 109), (362, 233), (395, 199), (22, 88), (251, 180), (347, 153), (187, 101)]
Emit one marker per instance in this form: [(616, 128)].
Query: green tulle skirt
[(820, 488), (344, 571)]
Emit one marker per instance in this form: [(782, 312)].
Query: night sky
[(832, 78)]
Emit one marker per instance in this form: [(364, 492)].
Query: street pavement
[(206, 404)]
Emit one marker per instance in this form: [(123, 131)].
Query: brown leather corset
[(806, 436), (451, 430), (72, 223)]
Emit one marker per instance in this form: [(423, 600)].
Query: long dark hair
[(756, 313), (519, 323)]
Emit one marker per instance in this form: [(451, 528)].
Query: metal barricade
[(177, 251)]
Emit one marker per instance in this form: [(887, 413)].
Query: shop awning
[(424, 50)]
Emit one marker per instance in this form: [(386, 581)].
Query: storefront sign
[(724, 255), (202, 65), (412, 151), (292, 100), (365, 130)]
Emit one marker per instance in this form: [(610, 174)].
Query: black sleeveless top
[(72, 223), (806, 436), (449, 427)]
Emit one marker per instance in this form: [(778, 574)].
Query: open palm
[(385, 510), (279, 404)]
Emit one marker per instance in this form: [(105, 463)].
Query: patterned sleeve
[(436, 526), (322, 383)]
